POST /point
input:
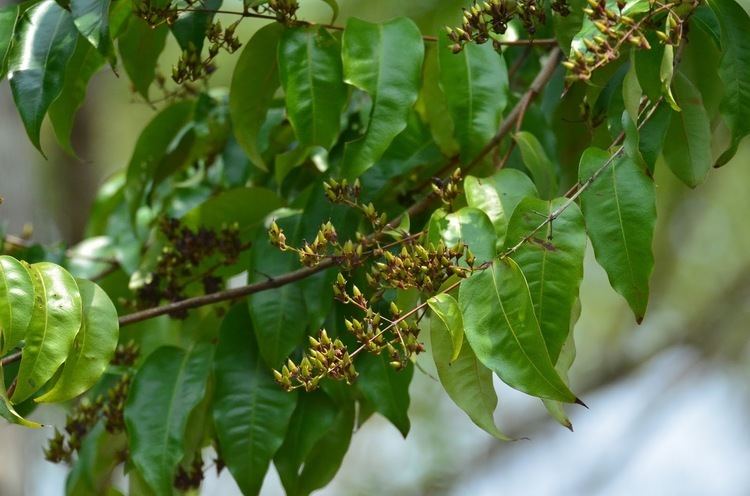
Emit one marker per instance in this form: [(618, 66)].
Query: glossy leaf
[(385, 61), (91, 17), (386, 388), (687, 148), (433, 107), (140, 47), (445, 311), (8, 411), (567, 356), (45, 40), (501, 328), (620, 212), (498, 195), (472, 227), (251, 411), (476, 88), (734, 71), (84, 63), (8, 17), (465, 379), (538, 163), (312, 77), (93, 347), (552, 262), (254, 82), (55, 321), (167, 387), (16, 302)]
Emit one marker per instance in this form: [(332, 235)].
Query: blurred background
[(668, 400)]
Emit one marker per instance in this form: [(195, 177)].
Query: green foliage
[(372, 184)]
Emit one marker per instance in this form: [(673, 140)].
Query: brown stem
[(12, 358)]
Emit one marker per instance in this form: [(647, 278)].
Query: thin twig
[(12, 358)]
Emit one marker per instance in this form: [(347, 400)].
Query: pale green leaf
[(542, 170), (16, 302)]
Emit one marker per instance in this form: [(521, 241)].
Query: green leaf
[(539, 165), (254, 83), (44, 43), (386, 388), (326, 456), (314, 416), (652, 135), (687, 148), (84, 63), (99, 455), (251, 411), (552, 262), (384, 60), (498, 195), (666, 73), (140, 47), (620, 212), (472, 227), (465, 379), (190, 28), (279, 315), (55, 321), (7, 411), (313, 81), (433, 107), (151, 148), (566, 27), (16, 302), (167, 387), (245, 206), (567, 356), (8, 18), (444, 311), (647, 65), (93, 347), (501, 328), (734, 71), (631, 90), (91, 17), (475, 83), (334, 4)]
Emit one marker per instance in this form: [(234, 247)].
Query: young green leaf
[(620, 212), (465, 379), (687, 148), (445, 310), (55, 321), (313, 81), (254, 82), (475, 83), (93, 347), (140, 46), (500, 325), (384, 60), (169, 384), (538, 163), (251, 411), (16, 302), (498, 195), (84, 63), (44, 43), (666, 74), (386, 388), (552, 262), (472, 227), (734, 71)]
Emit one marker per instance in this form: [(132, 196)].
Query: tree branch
[(10, 359)]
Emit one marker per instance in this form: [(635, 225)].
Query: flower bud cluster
[(187, 250), (155, 15), (448, 190), (325, 357), (193, 67), (284, 10), (415, 266), (485, 21), (190, 479)]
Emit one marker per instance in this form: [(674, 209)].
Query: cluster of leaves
[(67, 329), (344, 145)]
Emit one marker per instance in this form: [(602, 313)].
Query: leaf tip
[(579, 402)]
